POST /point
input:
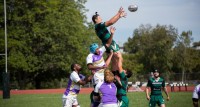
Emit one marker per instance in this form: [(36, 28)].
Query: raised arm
[(112, 31), (120, 65), (108, 59), (114, 19)]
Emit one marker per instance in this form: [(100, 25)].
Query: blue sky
[(182, 14)]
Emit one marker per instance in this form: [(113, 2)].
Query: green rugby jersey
[(124, 82), (102, 32), (156, 86)]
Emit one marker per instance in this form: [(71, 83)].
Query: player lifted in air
[(103, 33)]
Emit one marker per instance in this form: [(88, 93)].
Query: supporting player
[(96, 63), (122, 84), (107, 90), (156, 84)]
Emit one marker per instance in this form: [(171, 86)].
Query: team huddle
[(110, 83)]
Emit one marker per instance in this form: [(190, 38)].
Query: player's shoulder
[(162, 79), (100, 24), (90, 55), (151, 78), (74, 73)]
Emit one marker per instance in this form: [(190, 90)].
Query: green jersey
[(124, 82), (103, 34), (121, 91), (156, 85)]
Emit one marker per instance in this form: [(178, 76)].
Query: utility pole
[(6, 85)]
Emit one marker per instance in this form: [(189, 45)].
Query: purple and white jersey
[(107, 91), (98, 61), (196, 92), (73, 87)]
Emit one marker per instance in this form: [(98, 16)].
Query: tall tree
[(184, 55), (154, 46), (44, 38)]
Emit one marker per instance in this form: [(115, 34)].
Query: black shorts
[(195, 99)]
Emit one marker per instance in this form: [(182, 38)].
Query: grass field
[(137, 99)]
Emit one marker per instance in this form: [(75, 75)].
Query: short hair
[(129, 73), (72, 66), (108, 76), (94, 17), (155, 69)]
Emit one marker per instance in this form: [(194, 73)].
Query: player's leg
[(98, 77), (117, 56), (160, 100), (75, 101), (195, 102), (124, 102), (67, 101), (152, 102)]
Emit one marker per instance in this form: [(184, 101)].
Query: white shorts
[(69, 100), (98, 77), (108, 105)]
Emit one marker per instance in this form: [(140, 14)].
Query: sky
[(184, 15)]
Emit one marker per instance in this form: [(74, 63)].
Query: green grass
[(137, 99)]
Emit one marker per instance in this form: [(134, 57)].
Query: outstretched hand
[(122, 12), (112, 30), (121, 9)]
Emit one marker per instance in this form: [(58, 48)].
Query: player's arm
[(108, 59), (78, 79), (84, 80), (115, 18), (147, 90), (120, 65), (147, 93), (91, 67), (112, 31), (166, 92), (81, 82)]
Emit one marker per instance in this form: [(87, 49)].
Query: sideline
[(82, 91)]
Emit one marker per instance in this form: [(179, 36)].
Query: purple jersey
[(73, 87), (96, 60), (108, 92)]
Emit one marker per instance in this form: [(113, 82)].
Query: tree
[(185, 57), (45, 38), (154, 45)]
